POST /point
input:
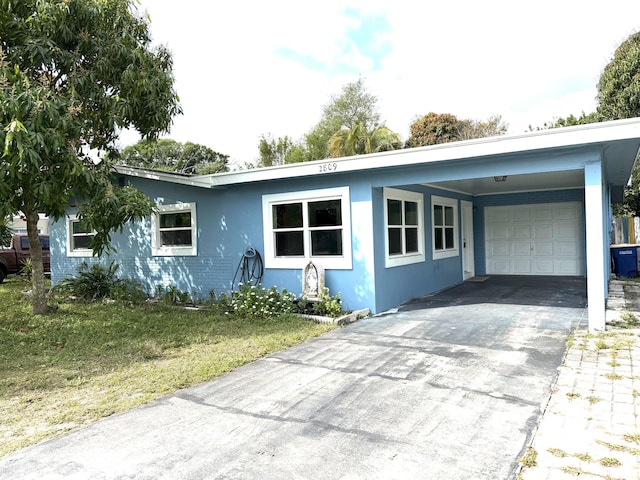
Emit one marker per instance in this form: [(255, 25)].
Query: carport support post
[(596, 278)]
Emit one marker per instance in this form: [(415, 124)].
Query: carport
[(544, 206)]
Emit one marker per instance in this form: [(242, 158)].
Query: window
[(303, 226), (78, 238), (445, 227), (173, 230), (403, 218)]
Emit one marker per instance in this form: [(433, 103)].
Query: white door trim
[(468, 259)]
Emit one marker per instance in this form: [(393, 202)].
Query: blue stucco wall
[(399, 284), (229, 220)]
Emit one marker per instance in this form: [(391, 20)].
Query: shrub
[(328, 305), (98, 282), (255, 300), (172, 295)]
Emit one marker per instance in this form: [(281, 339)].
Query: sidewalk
[(590, 429)]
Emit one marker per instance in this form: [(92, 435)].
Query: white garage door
[(544, 239)]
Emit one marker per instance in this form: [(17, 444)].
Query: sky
[(252, 68)]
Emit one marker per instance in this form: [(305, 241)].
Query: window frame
[(445, 252), (157, 249), (411, 257), (76, 252), (334, 262)]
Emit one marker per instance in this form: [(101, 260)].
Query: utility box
[(625, 260)]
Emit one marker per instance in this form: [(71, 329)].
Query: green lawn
[(87, 361)]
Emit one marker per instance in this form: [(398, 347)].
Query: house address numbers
[(328, 167)]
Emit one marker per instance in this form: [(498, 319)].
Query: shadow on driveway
[(449, 387)]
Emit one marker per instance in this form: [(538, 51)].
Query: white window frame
[(157, 249), (334, 262), (76, 252), (447, 252), (403, 258)]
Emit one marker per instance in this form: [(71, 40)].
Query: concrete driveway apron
[(447, 387)]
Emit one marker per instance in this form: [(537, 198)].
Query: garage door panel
[(521, 249), (567, 213), (567, 231), (544, 266), (566, 249), (555, 234), (500, 249), (522, 267), (567, 267), (520, 215), (542, 214), (543, 231), (521, 231), (500, 266), (498, 215), (544, 249)]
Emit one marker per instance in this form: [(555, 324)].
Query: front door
[(468, 262)]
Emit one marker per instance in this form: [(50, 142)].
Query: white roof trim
[(565, 137)]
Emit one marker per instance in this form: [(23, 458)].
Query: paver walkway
[(590, 429)]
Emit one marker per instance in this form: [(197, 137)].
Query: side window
[(444, 218), (78, 238), (303, 226), (404, 236), (173, 230)]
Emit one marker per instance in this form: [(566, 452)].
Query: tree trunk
[(38, 294)]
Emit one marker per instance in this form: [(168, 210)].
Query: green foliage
[(256, 301), (172, 295), (166, 154), (357, 140), (328, 305), (278, 152), (491, 127), (353, 105), (435, 128), (619, 84), (72, 75), (97, 282), (5, 231), (114, 356), (27, 268), (569, 121)]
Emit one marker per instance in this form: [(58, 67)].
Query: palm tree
[(358, 141)]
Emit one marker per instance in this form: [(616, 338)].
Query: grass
[(88, 361), (530, 458)]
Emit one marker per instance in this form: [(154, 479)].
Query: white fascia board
[(566, 137), (162, 176)]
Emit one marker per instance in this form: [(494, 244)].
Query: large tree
[(72, 74), (434, 128), (279, 151), (170, 155), (619, 84), (354, 104), (358, 140)]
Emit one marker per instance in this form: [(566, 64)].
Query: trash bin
[(625, 260)]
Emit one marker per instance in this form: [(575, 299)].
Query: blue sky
[(249, 68)]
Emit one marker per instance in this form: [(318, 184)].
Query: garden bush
[(255, 300), (98, 282)]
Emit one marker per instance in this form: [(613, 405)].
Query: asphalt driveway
[(446, 387)]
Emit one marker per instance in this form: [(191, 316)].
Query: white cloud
[(529, 62)]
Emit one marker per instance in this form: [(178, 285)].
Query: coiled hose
[(250, 269)]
